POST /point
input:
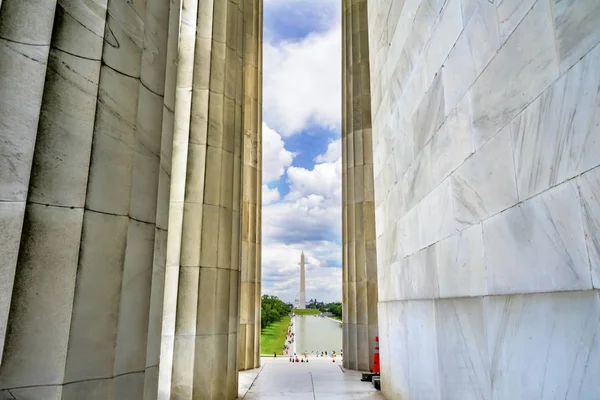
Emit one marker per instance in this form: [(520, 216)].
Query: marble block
[(59, 174), (589, 190), (485, 184), (461, 264), (523, 67), (79, 28), (36, 343), (430, 113), (558, 135), (11, 222), (544, 345), (471, 53), (464, 363), (93, 333), (510, 14), (436, 218), (22, 81), (134, 306), (113, 148), (538, 245), (576, 27)]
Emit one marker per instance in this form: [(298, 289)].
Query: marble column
[(42, 300), (202, 284), (80, 315), (249, 336), (358, 212), (25, 34)]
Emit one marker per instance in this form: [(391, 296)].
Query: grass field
[(273, 336), (336, 317), (308, 311)]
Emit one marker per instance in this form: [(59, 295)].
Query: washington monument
[(302, 304)]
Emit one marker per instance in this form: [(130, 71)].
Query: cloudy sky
[(301, 148)]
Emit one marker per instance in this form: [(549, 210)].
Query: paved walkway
[(317, 380)]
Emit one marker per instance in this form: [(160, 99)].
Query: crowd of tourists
[(289, 340)]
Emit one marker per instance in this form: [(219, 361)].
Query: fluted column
[(358, 212), (92, 247), (42, 301), (249, 339), (200, 316), (25, 34)]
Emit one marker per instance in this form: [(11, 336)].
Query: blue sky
[(301, 147)]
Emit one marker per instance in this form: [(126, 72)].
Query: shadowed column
[(358, 215), (202, 284), (25, 33), (249, 339)]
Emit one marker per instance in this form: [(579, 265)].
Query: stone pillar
[(25, 34), (249, 339), (79, 324), (202, 284), (42, 301), (359, 254)]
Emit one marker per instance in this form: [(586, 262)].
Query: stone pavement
[(317, 380)]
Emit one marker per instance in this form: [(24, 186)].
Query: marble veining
[(576, 26), (538, 245), (558, 136), (429, 116), (544, 346), (589, 190), (522, 69), (475, 47), (464, 366), (461, 264), (485, 184)]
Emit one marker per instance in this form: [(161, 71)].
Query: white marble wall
[(486, 137)]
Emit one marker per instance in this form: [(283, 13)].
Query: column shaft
[(25, 34), (206, 288), (359, 256), (40, 320), (249, 351)]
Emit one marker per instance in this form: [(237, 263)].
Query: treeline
[(334, 308), (272, 310)]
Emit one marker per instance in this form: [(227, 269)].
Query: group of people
[(289, 340), (301, 359)]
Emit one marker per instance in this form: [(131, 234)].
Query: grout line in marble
[(25, 43), (104, 64), (585, 241), (313, 385), (497, 213), (80, 381), (75, 55), (590, 289), (114, 215)]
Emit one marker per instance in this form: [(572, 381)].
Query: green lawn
[(336, 317), (308, 311), (272, 338)]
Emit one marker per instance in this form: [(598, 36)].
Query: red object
[(333, 360), (376, 356)]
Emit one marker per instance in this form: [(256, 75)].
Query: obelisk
[(302, 304)]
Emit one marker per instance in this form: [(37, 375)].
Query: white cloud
[(299, 16), (334, 151), (269, 195), (308, 218), (302, 82), (275, 157)]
